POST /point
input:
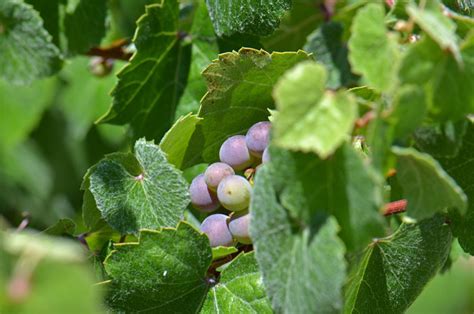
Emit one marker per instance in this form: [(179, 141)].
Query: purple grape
[(266, 156), (234, 193), (235, 153), (215, 173), (257, 138), (202, 198), (239, 227), (215, 227)]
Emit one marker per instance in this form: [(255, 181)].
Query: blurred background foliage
[(48, 139)]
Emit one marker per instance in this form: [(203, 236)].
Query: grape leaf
[(246, 16), (303, 266), (49, 12), (239, 290), (372, 53), (149, 87), (393, 270), (409, 110), (447, 84), (461, 168), (343, 186), (204, 50), (164, 272), (295, 26), (239, 93), (441, 140), (319, 122), (326, 45), (27, 49), (439, 27), (138, 191), (43, 266), (426, 186), (84, 24)]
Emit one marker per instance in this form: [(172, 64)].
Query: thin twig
[(115, 51), (395, 207)]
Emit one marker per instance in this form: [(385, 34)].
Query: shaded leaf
[(295, 26), (461, 168), (84, 24), (327, 47), (149, 87), (441, 140), (64, 226), (204, 50), (409, 110), (426, 186)]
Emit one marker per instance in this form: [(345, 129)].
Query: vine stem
[(115, 51), (395, 207)]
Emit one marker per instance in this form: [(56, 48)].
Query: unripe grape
[(202, 198), (235, 153), (257, 138), (215, 173), (215, 227), (266, 156), (234, 193), (239, 227)]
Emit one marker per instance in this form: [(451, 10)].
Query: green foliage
[(378, 66), (240, 289), (22, 37), (426, 186), (393, 270), (327, 46), (161, 259), (138, 191), (144, 95), (239, 92), (367, 193), (321, 121), (461, 168), (248, 17), (284, 248)]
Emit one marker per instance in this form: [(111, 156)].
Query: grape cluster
[(223, 185)]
